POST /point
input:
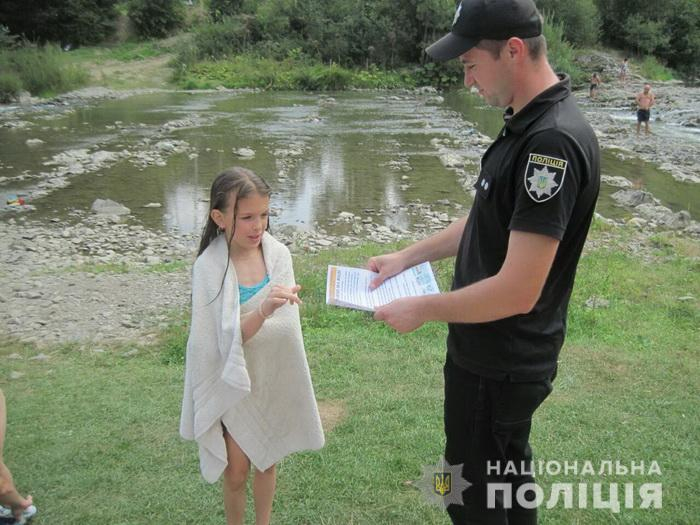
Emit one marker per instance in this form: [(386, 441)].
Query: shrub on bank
[(650, 68), (248, 71), (39, 70), (561, 53), (10, 86), (156, 18)]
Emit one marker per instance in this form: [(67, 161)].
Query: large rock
[(664, 216), (617, 181), (633, 198), (109, 207), (244, 153)]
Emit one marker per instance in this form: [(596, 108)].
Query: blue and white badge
[(544, 176)]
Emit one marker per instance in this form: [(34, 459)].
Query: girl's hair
[(237, 181)]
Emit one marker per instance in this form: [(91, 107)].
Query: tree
[(220, 9), (580, 19), (65, 21), (156, 18), (645, 36)]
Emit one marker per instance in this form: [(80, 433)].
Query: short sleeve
[(548, 178)]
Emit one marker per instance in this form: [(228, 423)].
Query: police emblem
[(443, 484), (544, 176)]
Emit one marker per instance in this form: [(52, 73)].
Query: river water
[(360, 152)]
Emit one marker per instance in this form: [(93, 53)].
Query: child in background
[(595, 84), (248, 394), (13, 507)]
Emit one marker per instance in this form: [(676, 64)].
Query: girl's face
[(251, 220)]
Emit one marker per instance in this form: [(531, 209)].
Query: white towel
[(260, 391)]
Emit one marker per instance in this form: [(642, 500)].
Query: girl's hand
[(278, 296)]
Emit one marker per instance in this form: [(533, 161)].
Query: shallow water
[(344, 167), (643, 175), (348, 144)]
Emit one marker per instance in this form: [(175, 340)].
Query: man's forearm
[(481, 302), (439, 246)]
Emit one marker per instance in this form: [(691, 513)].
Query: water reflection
[(352, 147)]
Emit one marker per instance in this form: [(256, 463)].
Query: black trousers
[(487, 422)]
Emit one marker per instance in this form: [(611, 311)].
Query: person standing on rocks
[(624, 70), (18, 508), (645, 101), (517, 253), (248, 397), (595, 84)]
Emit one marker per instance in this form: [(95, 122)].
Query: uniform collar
[(519, 122)]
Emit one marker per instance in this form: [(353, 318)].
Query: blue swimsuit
[(247, 292)]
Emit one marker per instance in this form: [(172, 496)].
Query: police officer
[(517, 253)]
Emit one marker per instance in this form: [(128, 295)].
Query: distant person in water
[(645, 100), (624, 69), (595, 83)]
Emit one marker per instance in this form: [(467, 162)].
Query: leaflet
[(349, 287)]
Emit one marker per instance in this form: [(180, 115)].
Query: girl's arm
[(278, 296)]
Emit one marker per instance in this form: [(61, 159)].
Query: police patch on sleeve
[(544, 176)]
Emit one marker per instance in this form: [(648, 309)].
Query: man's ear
[(515, 48)]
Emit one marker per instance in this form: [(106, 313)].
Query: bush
[(652, 69), (250, 71), (77, 22), (6, 39), (322, 78), (439, 74), (645, 36), (10, 86), (220, 9), (561, 53), (215, 41), (156, 18), (580, 19), (42, 70)]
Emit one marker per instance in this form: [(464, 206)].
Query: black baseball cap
[(477, 20)]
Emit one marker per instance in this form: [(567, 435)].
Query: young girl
[(248, 394)]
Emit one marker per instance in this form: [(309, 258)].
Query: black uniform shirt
[(541, 175)]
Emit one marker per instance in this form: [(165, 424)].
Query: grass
[(93, 436), (246, 71), (42, 71), (651, 69), (124, 52)]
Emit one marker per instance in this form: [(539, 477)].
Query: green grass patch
[(651, 69), (247, 71), (42, 71), (93, 436), (124, 52)]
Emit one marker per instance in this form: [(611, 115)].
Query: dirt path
[(146, 73)]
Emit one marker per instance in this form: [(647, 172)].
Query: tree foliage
[(156, 18), (220, 9), (580, 19), (74, 22), (671, 33)]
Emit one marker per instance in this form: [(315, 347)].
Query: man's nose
[(468, 78)]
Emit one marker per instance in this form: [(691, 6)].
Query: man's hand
[(403, 315), (386, 266)]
